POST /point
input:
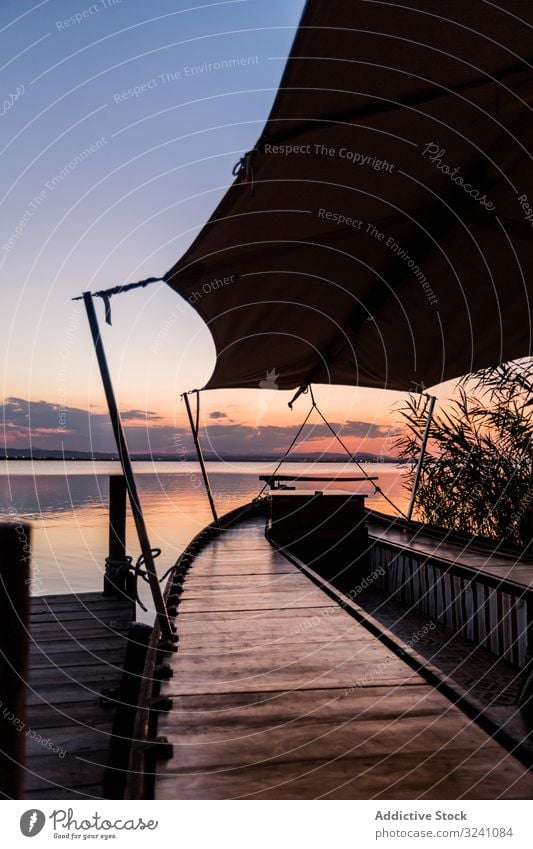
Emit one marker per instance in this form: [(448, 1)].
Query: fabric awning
[(380, 234)]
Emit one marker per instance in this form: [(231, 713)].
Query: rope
[(314, 406), (377, 489), (119, 568), (289, 449), (107, 294), (243, 169)]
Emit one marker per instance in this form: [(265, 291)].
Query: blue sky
[(120, 125)]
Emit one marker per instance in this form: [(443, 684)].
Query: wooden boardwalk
[(279, 693), (77, 648)]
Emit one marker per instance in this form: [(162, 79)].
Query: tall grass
[(477, 475)]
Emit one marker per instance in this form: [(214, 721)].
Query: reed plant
[(477, 474)]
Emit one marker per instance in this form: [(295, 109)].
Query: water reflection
[(67, 504)]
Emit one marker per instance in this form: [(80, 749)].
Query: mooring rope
[(119, 568)]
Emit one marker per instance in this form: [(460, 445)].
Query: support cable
[(377, 489), (289, 449), (314, 406)]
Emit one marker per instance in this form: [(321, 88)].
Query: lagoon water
[(67, 504)]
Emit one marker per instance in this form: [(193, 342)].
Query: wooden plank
[(516, 573), (66, 694), (246, 566), (443, 775), (216, 713), (291, 582), (250, 547), (312, 598), (237, 630), (81, 601), (82, 615), (55, 676), (73, 770), (68, 739), (233, 548), (287, 668), (70, 660), (77, 647), (51, 630), (328, 734), (85, 714), (278, 693), (89, 791), (66, 598), (67, 612), (72, 645)]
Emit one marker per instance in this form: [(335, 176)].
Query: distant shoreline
[(191, 458)]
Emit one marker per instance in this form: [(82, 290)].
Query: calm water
[(67, 504)]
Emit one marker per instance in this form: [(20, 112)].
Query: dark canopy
[(380, 234)]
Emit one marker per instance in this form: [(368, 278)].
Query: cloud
[(274, 439), (44, 425), (368, 430), (141, 415)]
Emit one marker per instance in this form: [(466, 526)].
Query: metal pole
[(120, 439), (423, 447), (198, 447)]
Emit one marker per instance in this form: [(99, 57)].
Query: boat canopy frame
[(194, 423), (147, 552)]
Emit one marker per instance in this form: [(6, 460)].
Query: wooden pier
[(78, 647), (279, 693), (70, 673)]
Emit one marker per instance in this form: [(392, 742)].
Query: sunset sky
[(118, 140)]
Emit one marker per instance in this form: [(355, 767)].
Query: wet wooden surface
[(77, 648), (495, 564), (279, 693)]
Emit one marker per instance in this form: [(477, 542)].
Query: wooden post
[(114, 585), (14, 614)]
